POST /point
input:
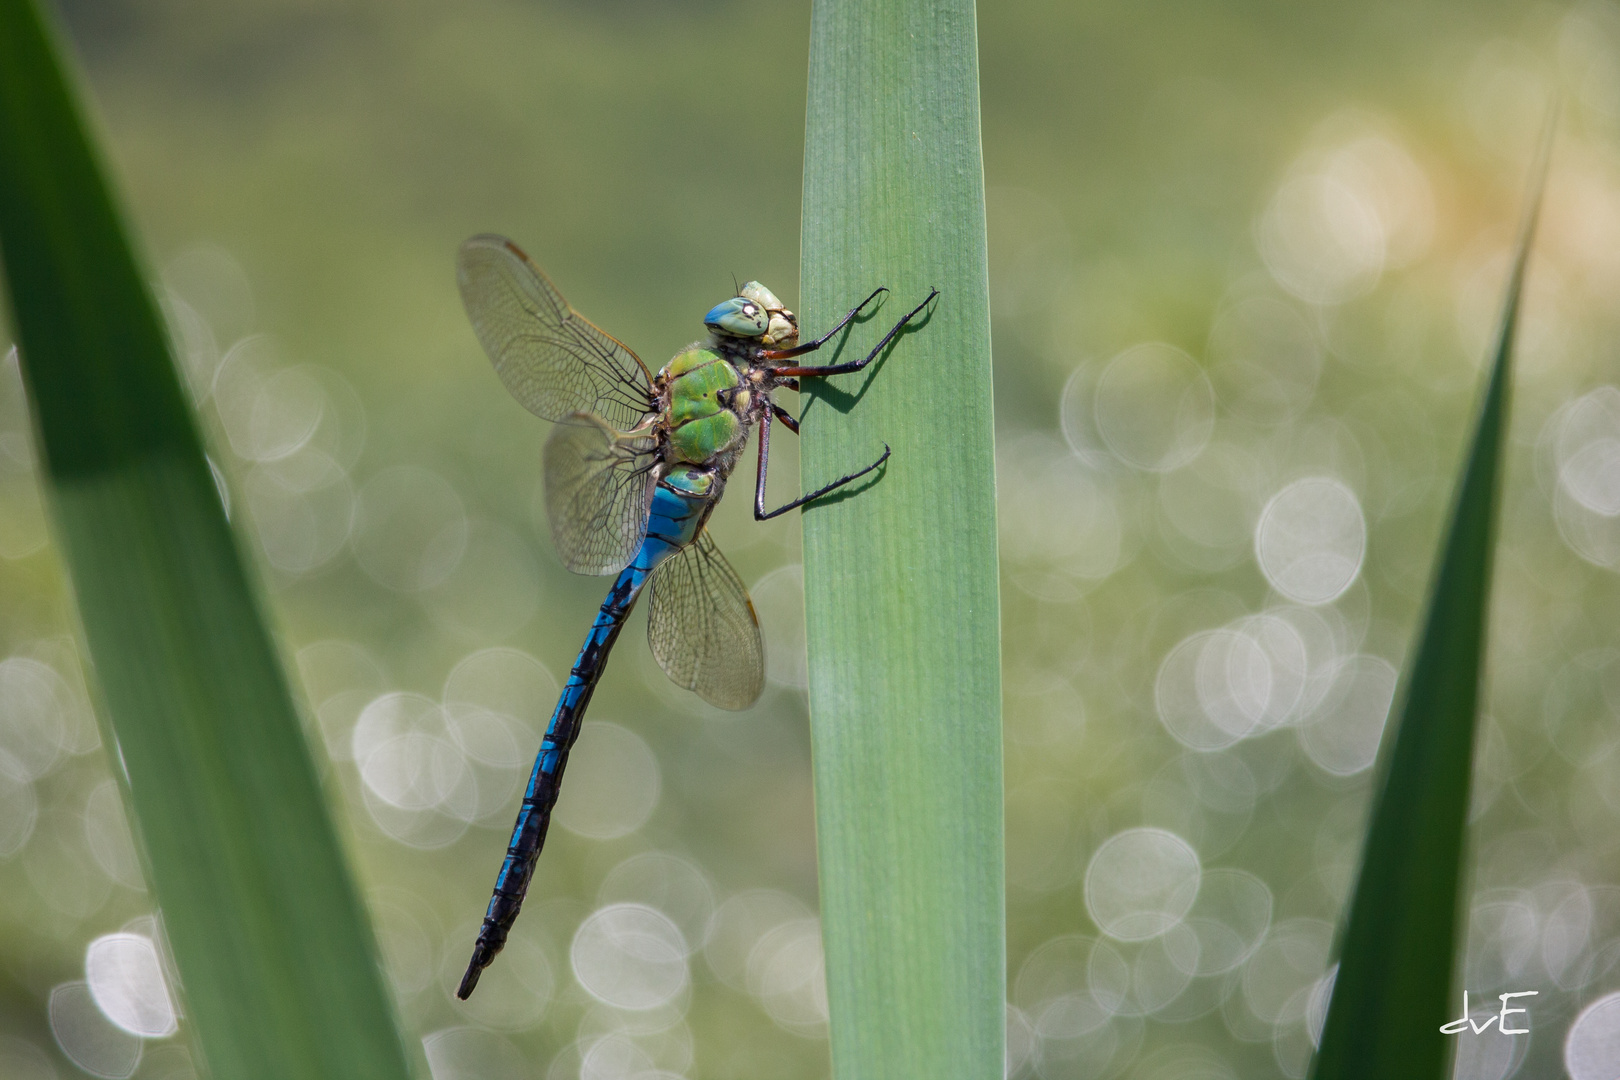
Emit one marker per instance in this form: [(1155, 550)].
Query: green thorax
[(700, 424)]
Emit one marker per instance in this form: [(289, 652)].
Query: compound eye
[(737, 317)]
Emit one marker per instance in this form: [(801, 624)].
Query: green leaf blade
[(274, 952), (902, 608), (1393, 990)]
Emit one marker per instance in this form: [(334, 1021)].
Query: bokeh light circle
[(737, 926), (1141, 882), (1217, 687), (1022, 1042), (1281, 977), (1060, 526), (496, 702), (1154, 407), (787, 976), (35, 706), (1321, 240), (90, 1040), (125, 976), (1592, 1047), (1208, 507), (670, 885), (417, 783), (412, 769), (1179, 703), (1311, 540), (1230, 917), (110, 840), (465, 1053), (1343, 738), (630, 956)]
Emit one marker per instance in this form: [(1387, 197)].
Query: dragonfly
[(632, 471)]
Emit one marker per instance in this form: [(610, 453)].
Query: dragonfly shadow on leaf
[(848, 491), (841, 400)]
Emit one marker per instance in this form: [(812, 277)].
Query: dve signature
[(1500, 1019)]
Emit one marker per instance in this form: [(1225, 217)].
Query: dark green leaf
[(1393, 989), (273, 947)]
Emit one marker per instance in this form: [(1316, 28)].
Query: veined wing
[(703, 629), (598, 484), (549, 356)]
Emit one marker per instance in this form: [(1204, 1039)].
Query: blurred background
[(1246, 261)]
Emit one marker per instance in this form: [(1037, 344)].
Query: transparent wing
[(702, 627), (598, 489), (549, 356)]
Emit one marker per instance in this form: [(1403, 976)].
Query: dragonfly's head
[(783, 332), (756, 313)]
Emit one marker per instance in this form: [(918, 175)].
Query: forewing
[(702, 627), (598, 486), (549, 356)]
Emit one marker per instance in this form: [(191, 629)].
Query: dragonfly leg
[(760, 513), (727, 396), (856, 365), (786, 418), (812, 346), (762, 467)]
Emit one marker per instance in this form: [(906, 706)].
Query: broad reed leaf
[(901, 576)]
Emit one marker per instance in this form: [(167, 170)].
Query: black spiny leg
[(800, 350), (760, 513), (854, 365), (785, 416)]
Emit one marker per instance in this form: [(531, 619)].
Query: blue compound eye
[(738, 317)]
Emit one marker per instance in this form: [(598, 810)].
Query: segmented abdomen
[(674, 521)]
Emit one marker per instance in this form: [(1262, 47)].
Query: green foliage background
[(306, 171)]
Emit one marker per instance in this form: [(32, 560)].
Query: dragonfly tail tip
[(475, 968)]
